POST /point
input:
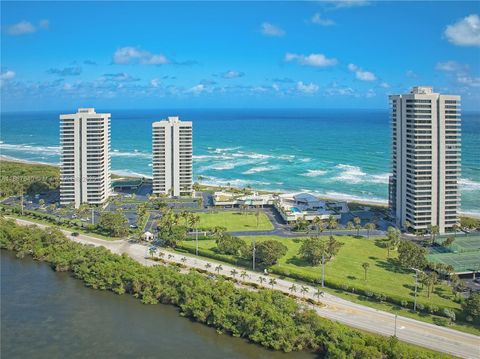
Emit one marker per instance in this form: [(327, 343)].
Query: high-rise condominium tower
[(172, 157), (423, 188), (85, 158)]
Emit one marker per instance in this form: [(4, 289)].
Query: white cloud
[(451, 66), (21, 28), (411, 74), (470, 81), (347, 3), (317, 19), (465, 32), (361, 74), (231, 74), (268, 29), (7, 75), (336, 89), (307, 88), (385, 85), (197, 89), (155, 83), (316, 60), (131, 55), (25, 27)]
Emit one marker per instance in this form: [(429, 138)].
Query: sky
[(316, 54)]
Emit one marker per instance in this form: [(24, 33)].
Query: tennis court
[(463, 254)]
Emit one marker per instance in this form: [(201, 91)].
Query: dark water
[(45, 314)]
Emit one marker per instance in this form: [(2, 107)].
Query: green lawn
[(235, 221), (383, 275)]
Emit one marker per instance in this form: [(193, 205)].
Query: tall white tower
[(85, 157), (426, 159), (172, 157)]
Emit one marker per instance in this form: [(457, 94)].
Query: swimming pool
[(294, 209)]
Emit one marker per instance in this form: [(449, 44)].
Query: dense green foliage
[(471, 308), (265, 317), (468, 222), (17, 178), (411, 256), (267, 253), (228, 244), (114, 223), (313, 249)]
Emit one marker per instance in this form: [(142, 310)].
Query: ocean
[(342, 154)]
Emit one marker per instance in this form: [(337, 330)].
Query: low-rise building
[(295, 206)]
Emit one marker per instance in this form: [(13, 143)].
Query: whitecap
[(466, 184), (314, 173), (260, 169)]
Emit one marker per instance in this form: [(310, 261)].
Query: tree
[(471, 307), (358, 224), (313, 249), (183, 259), (431, 280), (261, 280), (350, 226), (332, 224), (448, 242), (433, 232), (304, 290), (267, 252), (233, 272), (41, 202), (218, 268), (152, 251), (272, 282), (407, 225), (365, 267), (114, 223), (244, 274), (393, 239), (231, 245), (319, 293), (369, 227), (208, 266), (411, 256), (292, 288), (257, 216)]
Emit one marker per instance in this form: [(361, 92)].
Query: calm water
[(339, 153), (45, 314)]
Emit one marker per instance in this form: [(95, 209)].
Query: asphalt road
[(427, 335)]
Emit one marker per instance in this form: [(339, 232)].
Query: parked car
[(134, 226), (75, 234)]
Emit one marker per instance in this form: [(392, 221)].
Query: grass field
[(383, 276), (235, 221)]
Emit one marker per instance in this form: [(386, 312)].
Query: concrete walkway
[(356, 315)]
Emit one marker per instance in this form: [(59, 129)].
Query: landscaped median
[(386, 280), (235, 220), (266, 317)]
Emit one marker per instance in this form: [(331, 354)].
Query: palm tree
[(208, 266), (257, 215), (218, 268), (332, 224), (152, 251), (350, 226), (455, 228), (161, 254), (233, 272), (365, 266), (170, 256), (357, 221), (272, 282), (433, 232), (293, 288), (319, 293), (407, 225), (261, 280), (304, 290), (244, 274), (369, 227), (183, 259), (393, 241)]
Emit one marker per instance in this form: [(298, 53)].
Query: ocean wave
[(128, 173), (215, 181), (314, 173), (354, 175), (351, 197), (135, 153), (48, 150), (222, 150), (467, 184), (260, 169)]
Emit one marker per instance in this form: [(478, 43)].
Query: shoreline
[(345, 198)]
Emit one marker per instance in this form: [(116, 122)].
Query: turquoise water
[(337, 153)]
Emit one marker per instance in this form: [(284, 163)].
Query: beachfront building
[(232, 200), (85, 157), (423, 188), (295, 206), (172, 157)]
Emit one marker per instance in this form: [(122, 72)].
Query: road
[(355, 315)]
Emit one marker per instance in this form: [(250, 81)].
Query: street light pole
[(416, 285), (323, 270), (254, 249)]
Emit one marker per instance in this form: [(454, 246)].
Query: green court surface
[(463, 254)]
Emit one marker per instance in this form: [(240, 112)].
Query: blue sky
[(342, 54)]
